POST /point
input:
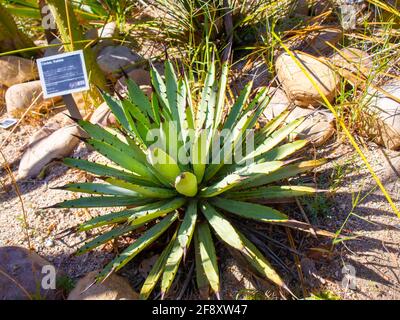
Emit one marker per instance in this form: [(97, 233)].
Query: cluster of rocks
[(24, 275), (19, 88), (298, 93)]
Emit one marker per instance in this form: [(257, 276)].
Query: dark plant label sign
[(63, 74)]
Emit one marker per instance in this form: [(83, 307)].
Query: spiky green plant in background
[(186, 199)]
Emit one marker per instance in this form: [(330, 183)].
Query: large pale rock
[(113, 288), (317, 127), (352, 64), (298, 87), (112, 59), (21, 275), (108, 32), (382, 124), (21, 96), (15, 70), (47, 147)]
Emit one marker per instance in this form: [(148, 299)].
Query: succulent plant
[(173, 172)]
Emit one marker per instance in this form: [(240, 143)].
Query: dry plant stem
[(297, 262), (342, 124), (17, 191), (20, 120)]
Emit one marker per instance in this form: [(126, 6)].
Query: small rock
[(320, 43), (56, 145), (14, 70), (24, 267), (112, 59), (382, 125), (103, 116), (113, 288), (391, 170), (298, 87), (54, 50), (49, 243), (21, 96), (318, 127), (352, 64), (139, 76), (110, 30), (302, 7)]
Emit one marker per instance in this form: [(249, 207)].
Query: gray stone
[(112, 59), (46, 148), (21, 96), (382, 124), (21, 275), (54, 50), (113, 288), (14, 70)]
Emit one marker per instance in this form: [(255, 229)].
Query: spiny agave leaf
[(249, 210), (164, 164), (146, 214), (284, 173), (144, 241), (270, 127), (150, 192), (190, 108), (156, 271), (122, 159), (171, 83), (238, 106), (156, 108), (222, 186), (222, 227), (182, 112), (97, 202), (161, 90), (140, 116), (99, 188), (137, 96), (206, 260), (180, 246), (104, 238), (199, 156), (225, 154), (117, 110), (273, 140), (97, 132), (282, 152), (258, 261), (221, 94), (106, 170), (120, 216), (273, 192), (201, 114), (253, 172)]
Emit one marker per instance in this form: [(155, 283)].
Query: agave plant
[(184, 185)]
